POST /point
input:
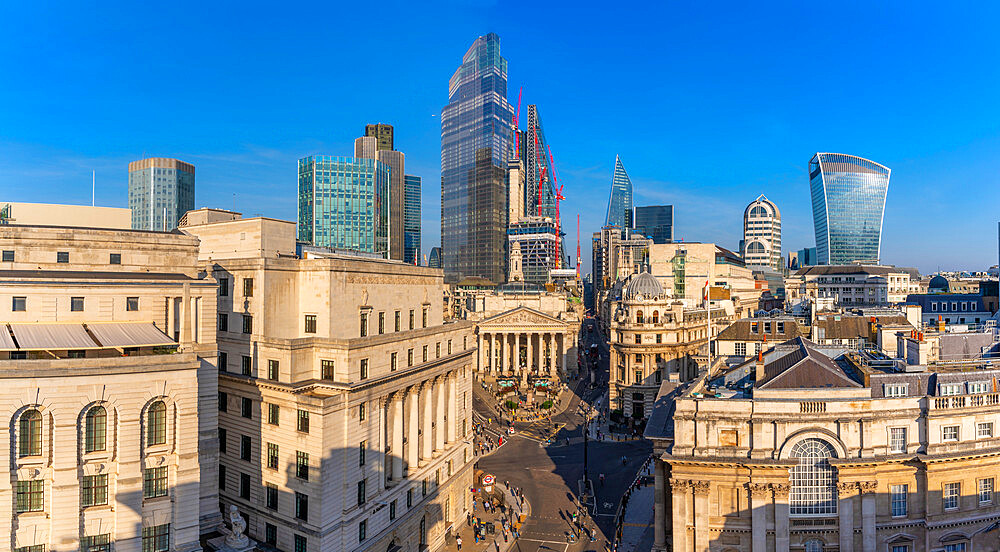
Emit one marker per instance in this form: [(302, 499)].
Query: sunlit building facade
[(848, 198), (475, 145), (160, 191), (620, 202), (343, 203), (761, 245)]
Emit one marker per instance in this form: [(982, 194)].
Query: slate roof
[(845, 326), (740, 330), (805, 368)]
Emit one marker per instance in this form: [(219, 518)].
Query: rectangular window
[(897, 439), (154, 482), (302, 423), (310, 323), (131, 304), (300, 543), (957, 547), (364, 324), (424, 318), (271, 531), (156, 538), (895, 389), (396, 322), (301, 506), (900, 548), (95, 490), (246, 408), (246, 365), (897, 499), (392, 510), (271, 498), (245, 486), (425, 354), (409, 357), (272, 369), (361, 492), (272, 414), (247, 324), (361, 452), (364, 368), (951, 494), (381, 323), (272, 456), (411, 319), (437, 350), (979, 387), (326, 366), (638, 377), (984, 430), (8, 256), (222, 440), (986, 491), (222, 477), (392, 361), (740, 349), (409, 498), (30, 496), (247, 287), (96, 543), (423, 487), (31, 548), (76, 304), (223, 401), (949, 433), (362, 412), (62, 256), (224, 287), (362, 530), (449, 346), (302, 465), (20, 304), (223, 325)]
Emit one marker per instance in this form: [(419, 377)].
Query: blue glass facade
[(160, 191), (848, 199), (411, 219), (656, 222), (343, 203), (620, 203), (476, 137)]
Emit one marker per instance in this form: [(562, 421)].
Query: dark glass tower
[(620, 203), (475, 145), (656, 222), (848, 198), (411, 219)]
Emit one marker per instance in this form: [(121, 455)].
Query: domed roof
[(643, 286), (938, 282)]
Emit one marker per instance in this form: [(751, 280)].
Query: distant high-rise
[(160, 191), (344, 203), (538, 170), (475, 146), (365, 147), (848, 199), (411, 219), (656, 222), (434, 258), (382, 134), (761, 245), (620, 202)]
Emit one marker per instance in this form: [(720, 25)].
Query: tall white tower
[(762, 234)]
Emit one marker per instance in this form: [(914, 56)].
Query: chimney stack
[(759, 367)]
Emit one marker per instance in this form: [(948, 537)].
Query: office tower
[(382, 134), (475, 147), (620, 202), (656, 222), (802, 258), (160, 191), (343, 203), (370, 147), (515, 190), (434, 258), (538, 170), (365, 147), (538, 247), (761, 245), (848, 198), (411, 219)]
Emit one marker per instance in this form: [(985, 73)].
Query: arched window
[(638, 317), (156, 424), (814, 545), (813, 479), (95, 430), (30, 436), (656, 317)]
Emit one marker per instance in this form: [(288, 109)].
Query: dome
[(938, 283), (644, 286)]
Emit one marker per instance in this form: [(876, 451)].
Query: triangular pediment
[(522, 316)]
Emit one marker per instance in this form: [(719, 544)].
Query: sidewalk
[(491, 542), (637, 524)]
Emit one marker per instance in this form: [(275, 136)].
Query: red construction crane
[(559, 197)]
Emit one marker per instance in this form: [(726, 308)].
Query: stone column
[(868, 489), (845, 510), (760, 498), (397, 438), (517, 352), (427, 432), (531, 350), (412, 430), (563, 354), (481, 343), (171, 313), (452, 397), (780, 516), (679, 515), (701, 533), (439, 422), (659, 515)]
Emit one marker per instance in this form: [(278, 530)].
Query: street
[(549, 474)]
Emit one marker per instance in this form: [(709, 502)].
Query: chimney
[(940, 324), (759, 367)]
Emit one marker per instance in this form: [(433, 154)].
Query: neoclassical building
[(344, 397), (800, 451), (654, 338), (107, 350)]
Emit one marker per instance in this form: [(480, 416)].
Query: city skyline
[(718, 152)]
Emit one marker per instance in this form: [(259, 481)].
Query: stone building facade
[(107, 350), (345, 398), (797, 451)]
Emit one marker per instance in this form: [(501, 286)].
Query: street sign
[(488, 480)]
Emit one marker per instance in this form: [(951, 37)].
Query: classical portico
[(524, 341)]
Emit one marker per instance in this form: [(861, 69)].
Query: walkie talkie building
[(848, 199)]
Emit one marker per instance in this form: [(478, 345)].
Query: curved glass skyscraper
[(620, 202), (848, 199)]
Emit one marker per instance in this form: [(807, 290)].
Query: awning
[(6, 341), (128, 334), (47, 337)]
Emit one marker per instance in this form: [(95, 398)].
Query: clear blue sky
[(708, 106)]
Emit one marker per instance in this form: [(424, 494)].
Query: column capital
[(679, 485), (759, 490), (845, 489), (700, 487), (781, 489), (868, 486)]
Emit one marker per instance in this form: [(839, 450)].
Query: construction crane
[(517, 116), (559, 197)]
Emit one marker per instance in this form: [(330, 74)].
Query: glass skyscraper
[(848, 199), (411, 219), (476, 137), (656, 222), (160, 191), (344, 203), (620, 203)]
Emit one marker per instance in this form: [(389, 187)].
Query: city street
[(549, 474)]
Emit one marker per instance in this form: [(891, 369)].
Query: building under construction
[(536, 241)]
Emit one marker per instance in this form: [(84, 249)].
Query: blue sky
[(709, 105)]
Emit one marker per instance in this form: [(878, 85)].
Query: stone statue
[(236, 539)]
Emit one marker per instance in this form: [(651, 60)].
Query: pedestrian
[(458, 541)]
